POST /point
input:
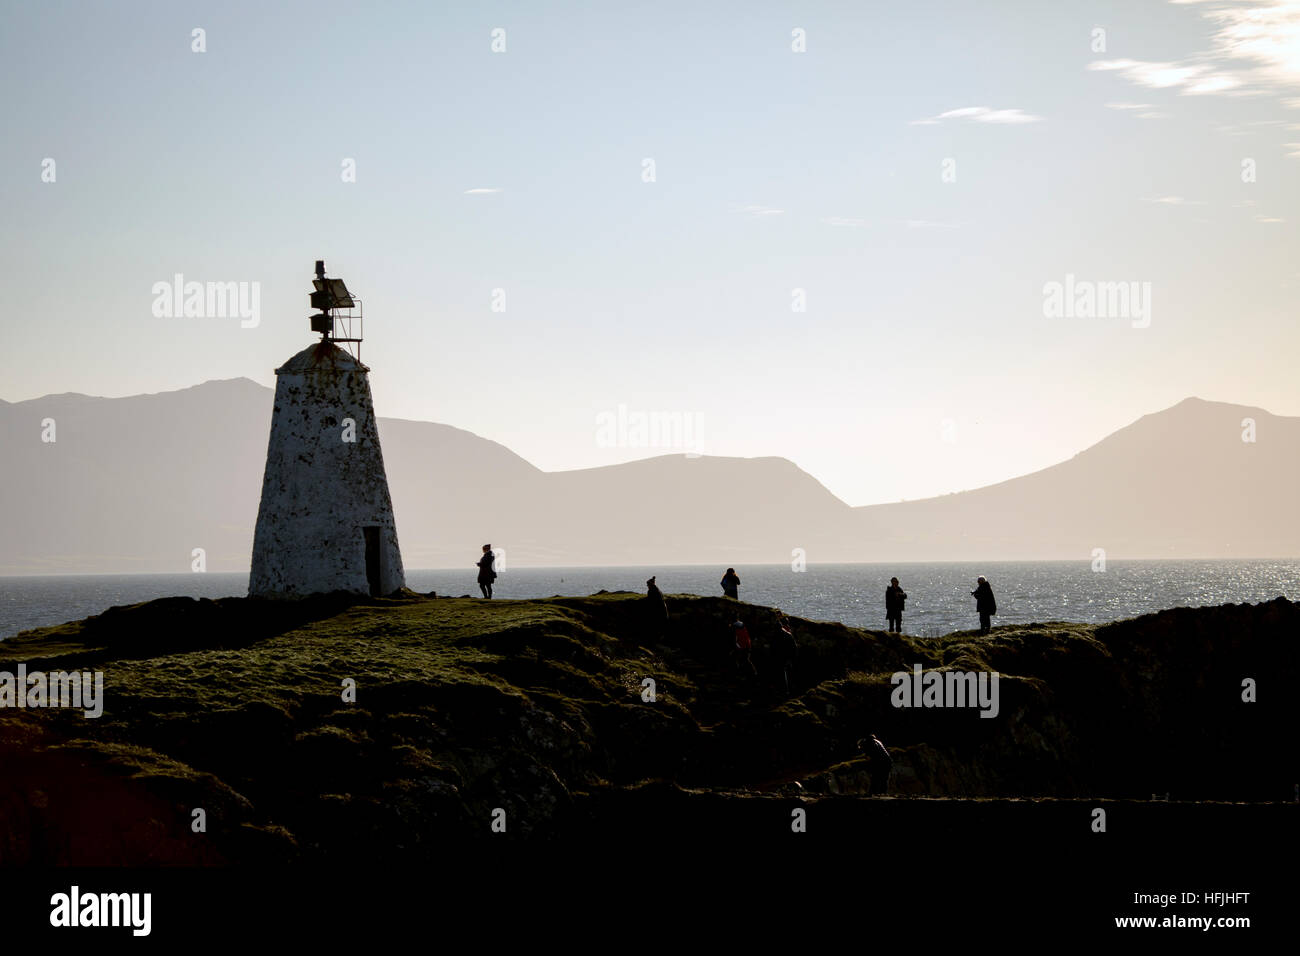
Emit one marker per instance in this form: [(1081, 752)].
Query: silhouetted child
[(744, 663)]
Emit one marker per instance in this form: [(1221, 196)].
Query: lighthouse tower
[(326, 520)]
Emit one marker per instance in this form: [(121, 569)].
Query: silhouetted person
[(486, 575), (658, 605), (786, 650), (730, 584), (744, 663), (894, 598), (984, 603), (880, 764)]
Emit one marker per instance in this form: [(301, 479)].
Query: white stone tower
[(326, 520)]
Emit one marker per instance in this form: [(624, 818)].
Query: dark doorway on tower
[(372, 559)]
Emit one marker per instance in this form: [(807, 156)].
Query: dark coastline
[(536, 707)]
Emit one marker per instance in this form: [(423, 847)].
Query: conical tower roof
[(322, 356)]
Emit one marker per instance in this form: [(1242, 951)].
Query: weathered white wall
[(319, 491)]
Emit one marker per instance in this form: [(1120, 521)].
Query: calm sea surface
[(938, 595)]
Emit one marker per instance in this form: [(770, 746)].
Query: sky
[(821, 231)]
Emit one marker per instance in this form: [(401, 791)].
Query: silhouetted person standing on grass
[(984, 603), (880, 764), (731, 584), (894, 598), (486, 575)]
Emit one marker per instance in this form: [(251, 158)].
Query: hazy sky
[(924, 362)]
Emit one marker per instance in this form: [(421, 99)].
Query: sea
[(938, 594)]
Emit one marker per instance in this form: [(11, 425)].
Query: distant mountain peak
[(1194, 404), (242, 381)]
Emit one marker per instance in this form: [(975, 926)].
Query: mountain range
[(135, 484)]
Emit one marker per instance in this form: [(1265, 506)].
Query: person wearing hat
[(744, 663)]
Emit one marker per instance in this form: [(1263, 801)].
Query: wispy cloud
[(1258, 217), (1154, 75), (1265, 33), (757, 211), (1175, 201), (853, 223), (481, 191), (1256, 126), (1292, 150), (1216, 83), (1254, 50), (981, 114), (1148, 110)]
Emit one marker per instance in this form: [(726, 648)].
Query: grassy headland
[(537, 708)]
